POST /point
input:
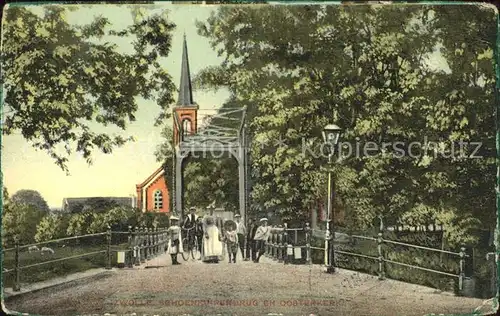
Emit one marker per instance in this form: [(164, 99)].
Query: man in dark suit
[(190, 225), (252, 229)]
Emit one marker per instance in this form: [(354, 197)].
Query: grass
[(57, 269)]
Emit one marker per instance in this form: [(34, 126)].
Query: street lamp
[(331, 135)]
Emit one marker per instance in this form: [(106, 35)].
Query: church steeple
[(186, 110), (185, 88)]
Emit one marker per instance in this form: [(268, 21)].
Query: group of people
[(251, 241)]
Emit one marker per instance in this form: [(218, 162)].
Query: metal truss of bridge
[(220, 135)]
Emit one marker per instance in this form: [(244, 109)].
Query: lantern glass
[(331, 134)]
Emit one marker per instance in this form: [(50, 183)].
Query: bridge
[(244, 288), (145, 282)]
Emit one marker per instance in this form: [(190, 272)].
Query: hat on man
[(192, 208), (237, 215), (263, 219), (174, 218)]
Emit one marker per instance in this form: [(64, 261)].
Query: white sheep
[(32, 249), (47, 249)]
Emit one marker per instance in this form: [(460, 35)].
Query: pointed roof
[(185, 88), (152, 177)]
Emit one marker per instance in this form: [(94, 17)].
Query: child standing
[(232, 243), (174, 244)]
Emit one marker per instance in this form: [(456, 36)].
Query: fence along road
[(244, 288), (269, 287)]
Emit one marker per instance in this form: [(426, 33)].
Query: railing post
[(285, 244), (162, 241), (131, 247), (308, 243), (108, 252), (158, 229), (135, 236), (139, 244), (137, 252), (149, 247), (268, 248), (280, 244), (461, 276), (276, 244), (155, 241), (17, 285), (381, 272), (143, 244)]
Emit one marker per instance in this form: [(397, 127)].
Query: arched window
[(158, 200), (186, 127)]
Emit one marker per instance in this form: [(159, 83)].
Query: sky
[(117, 174)]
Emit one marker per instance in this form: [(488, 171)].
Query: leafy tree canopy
[(20, 220), (365, 68), (32, 198), (61, 80)]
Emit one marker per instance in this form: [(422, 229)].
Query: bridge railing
[(281, 248), (131, 247)]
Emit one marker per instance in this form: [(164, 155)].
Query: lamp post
[(331, 135)]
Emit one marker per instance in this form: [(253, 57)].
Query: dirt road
[(245, 288)]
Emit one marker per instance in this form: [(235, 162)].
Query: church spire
[(185, 89)]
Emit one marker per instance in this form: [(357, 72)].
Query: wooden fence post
[(381, 272), (142, 244), (130, 263), (163, 240), (461, 276), (308, 244), (267, 247), (380, 241), (17, 285), (108, 252), (137, 254), (148, 243), (271, 248), (285, 244), (157, 241), (275, 245), (280, 244)]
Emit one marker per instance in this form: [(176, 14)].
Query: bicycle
[(190, 245)]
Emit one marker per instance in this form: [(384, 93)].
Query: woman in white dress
[(212, 245)]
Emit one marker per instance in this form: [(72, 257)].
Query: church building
[(153, 194)]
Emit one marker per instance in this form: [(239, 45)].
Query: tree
[(52, 226), (79, 223), (365, 67), (60, 82), (99, 205), (32, 198), (5, 195), (117, 217), (20, 220)]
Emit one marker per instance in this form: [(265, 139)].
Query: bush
[(20, 220)]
